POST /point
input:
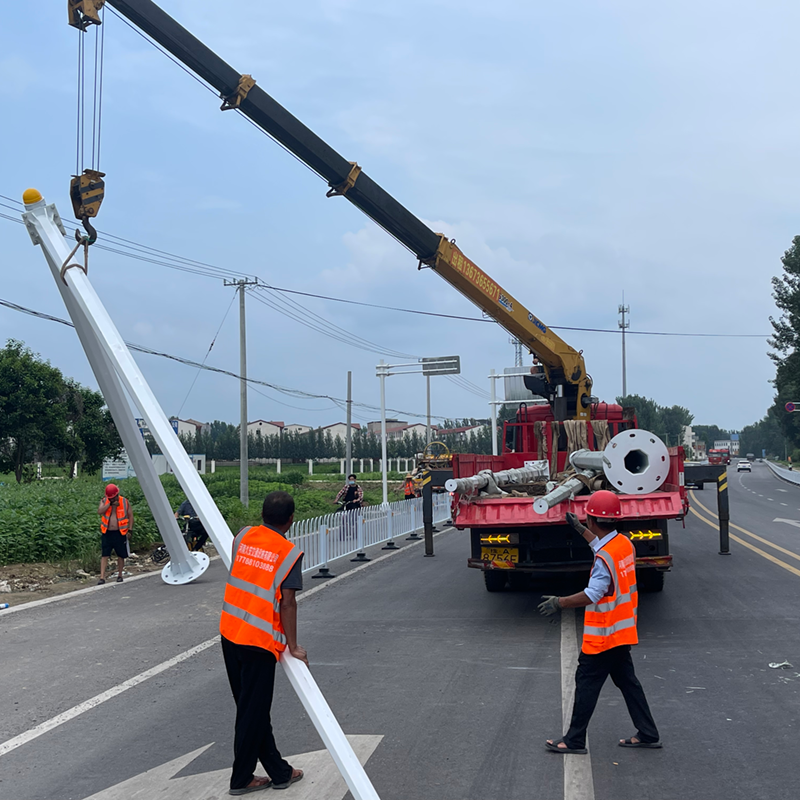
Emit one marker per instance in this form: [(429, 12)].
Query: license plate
[(508, 554)]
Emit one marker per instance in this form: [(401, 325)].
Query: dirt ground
[(22, 583)]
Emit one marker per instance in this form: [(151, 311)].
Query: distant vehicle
[(743, 466), (719, 456), (751, 456)]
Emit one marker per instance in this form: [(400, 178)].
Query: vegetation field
[(53, 520)]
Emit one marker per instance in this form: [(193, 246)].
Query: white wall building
[(339, 429), (262, 427), (295, 428)]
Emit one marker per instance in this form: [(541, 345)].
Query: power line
[(297, 393), (203, 269)]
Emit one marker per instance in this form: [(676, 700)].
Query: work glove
[(550, 605), (572, 521)]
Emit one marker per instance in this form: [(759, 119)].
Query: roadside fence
[(788, 475), (342, 533)]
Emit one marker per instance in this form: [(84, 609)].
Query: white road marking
[(784, 504), (87, 705), (783, 490), (321, 781), (578, 780), (794, 522)]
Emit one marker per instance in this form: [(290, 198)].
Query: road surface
[(448, 690)]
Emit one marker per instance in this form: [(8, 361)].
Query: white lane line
[(60, 719), (578, 781), (784, 504), (87, 705)]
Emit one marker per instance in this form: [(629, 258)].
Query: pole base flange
[(198, 564), (390, 545)]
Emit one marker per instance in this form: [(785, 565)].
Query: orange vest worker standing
[(116, 521), (609, 627), (259, 622)]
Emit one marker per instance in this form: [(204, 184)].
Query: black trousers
[(589, 679), (251, 673)]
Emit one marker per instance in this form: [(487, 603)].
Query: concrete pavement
[(463, 685)]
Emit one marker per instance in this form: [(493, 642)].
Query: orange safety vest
[(611, 622), (123, 517), (251, 610), (410, 489)]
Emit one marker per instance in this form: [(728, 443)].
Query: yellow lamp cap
[(30, 196)]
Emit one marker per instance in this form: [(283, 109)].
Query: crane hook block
[(246, 83), (86, 192), (83, 13)]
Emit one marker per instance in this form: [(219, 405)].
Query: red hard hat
[(111, 490), (604, 504)]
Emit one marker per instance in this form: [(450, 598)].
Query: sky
[(575, 151)]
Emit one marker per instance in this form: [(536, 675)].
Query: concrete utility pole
[(624, 324), (348, 453), (428, 429), (244, 491)]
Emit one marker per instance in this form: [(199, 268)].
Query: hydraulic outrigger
[(561, 378)]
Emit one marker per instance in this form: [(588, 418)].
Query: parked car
[(744, 466)]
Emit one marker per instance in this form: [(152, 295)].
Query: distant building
[(375, 427), (262, 427), (404, 431), (295, 428), (339, 429), (734, 444), (188, 427)]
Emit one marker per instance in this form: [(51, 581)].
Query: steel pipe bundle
[(493, 482)]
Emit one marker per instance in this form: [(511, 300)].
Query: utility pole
[(517, 351), (428, 430), (348, 453), (244, 492), (624, 324)]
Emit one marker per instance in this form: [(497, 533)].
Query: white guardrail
[(788, 475), (324, 539)]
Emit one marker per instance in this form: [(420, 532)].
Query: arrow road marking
[(794, 522), (322, 780)]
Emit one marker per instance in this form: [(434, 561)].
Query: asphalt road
[(453, 690)]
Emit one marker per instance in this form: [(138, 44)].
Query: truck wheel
[(495, 580), (650, 580), (518, 581)]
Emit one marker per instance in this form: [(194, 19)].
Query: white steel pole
[(428, 431), (493, 405), (384, 465), (43, 224)]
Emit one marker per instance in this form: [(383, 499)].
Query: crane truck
[(567, 437)]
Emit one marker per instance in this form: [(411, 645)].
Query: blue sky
[(575, 150)]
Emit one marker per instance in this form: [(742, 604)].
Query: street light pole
[(348, 453), (428, 431), (384, 476)]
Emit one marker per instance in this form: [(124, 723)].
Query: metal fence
[(324, 539), (788, 475)]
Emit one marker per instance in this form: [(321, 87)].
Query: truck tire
[(518, 581), (650, 580), (495, 580)]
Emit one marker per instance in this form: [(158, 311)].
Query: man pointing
[(609, 628)]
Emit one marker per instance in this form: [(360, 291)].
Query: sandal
[(255, 788), (101, 581), (648, 745), (554, 748), (119, 578), (293, 779)]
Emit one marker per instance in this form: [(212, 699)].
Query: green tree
[(90, 434), (33, 407)]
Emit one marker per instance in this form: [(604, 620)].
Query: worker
[(410, 488), (350, 495), (259, 622), (609, 627), (116, 522)]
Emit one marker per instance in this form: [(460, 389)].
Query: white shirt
[(600, 579)]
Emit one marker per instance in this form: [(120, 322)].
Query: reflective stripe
[(253, 588), (238, 540), (253, 620), (611, 604), (286, 565), (617, 626)]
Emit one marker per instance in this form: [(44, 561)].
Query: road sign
[(443, 365)]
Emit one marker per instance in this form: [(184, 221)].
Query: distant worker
[(410, 488), (116, 522), (259, 622), (196, 529), (351, 495), (609, 628)]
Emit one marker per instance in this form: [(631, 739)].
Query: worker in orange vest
[(410, 489), (609, 627), (259, 622), (116, 521)]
